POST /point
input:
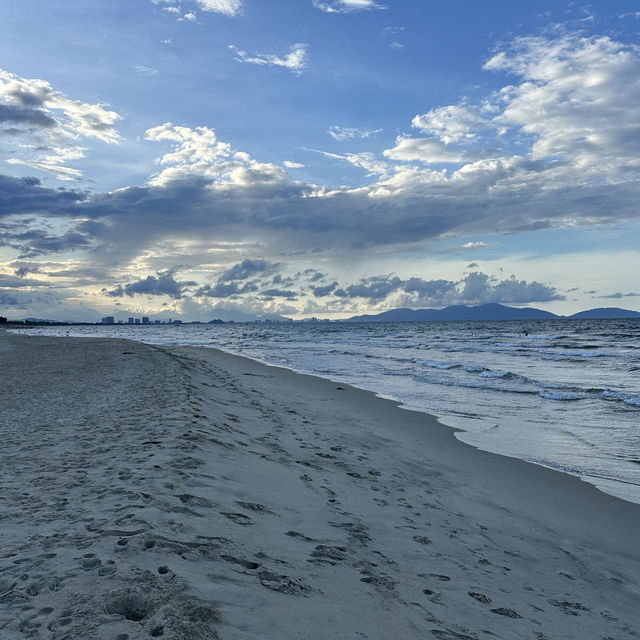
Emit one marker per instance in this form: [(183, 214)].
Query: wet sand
[(185, 493)]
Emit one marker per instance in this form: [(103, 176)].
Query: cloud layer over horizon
[(554, 144)]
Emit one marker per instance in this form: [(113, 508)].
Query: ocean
[(560, 393)]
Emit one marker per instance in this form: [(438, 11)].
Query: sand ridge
[(187, 493)]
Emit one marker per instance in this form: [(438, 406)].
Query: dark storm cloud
[(229, 283), (25, 116), (226, 289), (248, 269), (21, 196), (36, 242), (428, 287), (314, 275), (375, 288), (321, 292), (8, 299), (280, 293), (278, 279), (286, 215), (162, 284), (475, 288), (479, 287), (21, 272)]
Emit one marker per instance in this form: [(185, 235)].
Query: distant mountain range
[(606, 312), (487, 312)]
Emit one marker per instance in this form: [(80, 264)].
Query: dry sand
[(188, 494)]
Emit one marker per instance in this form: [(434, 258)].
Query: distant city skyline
[(201, 159)]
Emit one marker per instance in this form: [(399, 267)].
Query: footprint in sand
[(238, 518), (570, 608), (440, 577), (300, 536), (480, 597), (325, 554), (508, 613), (108, 568), (283, 584), (381, 580), (247, 564), (90, 561), (131, 603), (254, 506)]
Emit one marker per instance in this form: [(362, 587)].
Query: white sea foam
[(437, 365), (633, 401), (494, 374), (554, 395)]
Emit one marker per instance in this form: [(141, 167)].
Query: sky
[(201, 159)]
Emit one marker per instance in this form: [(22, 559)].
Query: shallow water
[(562, 393)]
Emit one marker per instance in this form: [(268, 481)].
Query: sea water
[(560, 393)]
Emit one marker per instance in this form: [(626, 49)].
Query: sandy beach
[(185, 493)]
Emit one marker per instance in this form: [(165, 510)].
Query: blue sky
[(228, 158)]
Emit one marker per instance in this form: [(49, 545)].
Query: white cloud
[(194, 151), (453, 123), (475, 245), (169, 9), (425, 150), (567, 155), (226, 7), (393, 31), (198, 153), (351, 133), (577, 100), (295, 60), (142, 70), (365, 160), (45, 126), (570, 119), (293, 165), (50, 166), (346, 6)]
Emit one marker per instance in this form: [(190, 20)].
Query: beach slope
[(185, 493)]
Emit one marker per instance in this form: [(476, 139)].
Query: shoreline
[(601, 477), (425, 428), (442, 421), (222, 497)]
